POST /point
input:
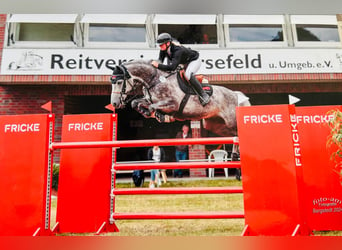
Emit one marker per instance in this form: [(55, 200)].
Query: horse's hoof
[(160, 117), (151, 109), (134, 104), (144, 111)]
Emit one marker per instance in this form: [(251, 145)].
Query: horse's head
[(119, 80), (128, 80)]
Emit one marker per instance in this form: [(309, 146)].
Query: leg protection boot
[(202, 95)]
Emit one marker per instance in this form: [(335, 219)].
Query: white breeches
[(192, 68)]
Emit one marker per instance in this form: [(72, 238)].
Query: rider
[(178, 54)]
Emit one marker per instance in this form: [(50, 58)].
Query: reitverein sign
[(237, 61)]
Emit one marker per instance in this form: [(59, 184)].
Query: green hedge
[(55, 176)]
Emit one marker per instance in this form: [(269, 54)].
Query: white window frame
[(133, 19), (254, 20), (15, 20), (188, 20), (317, 20)]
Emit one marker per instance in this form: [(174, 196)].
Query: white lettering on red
[(22, 128), (86, 126), (308, 119), (263, 119), (295, 140)]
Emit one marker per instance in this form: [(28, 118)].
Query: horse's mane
[(141, 68), (139, 61)]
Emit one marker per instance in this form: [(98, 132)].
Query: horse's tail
[(243, 100)]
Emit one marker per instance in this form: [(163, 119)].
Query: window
[(42, 30), (254, 31), (116, 33), (52, 32), (315, 30), (115, 30), (323, 33), (198, 30)]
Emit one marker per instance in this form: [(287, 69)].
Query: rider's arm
[(175, 61), (162, 55)]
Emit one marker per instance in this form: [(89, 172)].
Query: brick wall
[(196, 151)]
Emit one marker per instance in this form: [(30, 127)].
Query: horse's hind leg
[(219, 126)]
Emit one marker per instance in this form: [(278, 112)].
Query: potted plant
[(335, 139)]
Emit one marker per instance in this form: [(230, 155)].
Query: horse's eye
[(118, 82)]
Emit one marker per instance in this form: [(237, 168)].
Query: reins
[(156, 82)]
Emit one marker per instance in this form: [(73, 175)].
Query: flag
[(293, 99), (47, 106), (110, 107)]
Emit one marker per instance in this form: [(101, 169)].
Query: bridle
[(125, 76), (133, 81)]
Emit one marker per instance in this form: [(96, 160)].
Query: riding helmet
[(164, 38)]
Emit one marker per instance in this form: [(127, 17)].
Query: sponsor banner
[(323, 190), (219, 61), (24, 171), (86, 174), (270, 162)]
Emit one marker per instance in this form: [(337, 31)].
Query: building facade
[(67, 59)]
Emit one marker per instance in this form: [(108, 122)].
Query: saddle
[(186, 87)]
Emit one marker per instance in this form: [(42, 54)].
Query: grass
[(181, 203)]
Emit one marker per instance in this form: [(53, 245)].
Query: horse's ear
[(112, 68), (125, 71), (117, 74), (116, 70)]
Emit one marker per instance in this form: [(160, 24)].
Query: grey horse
[(157, 94)]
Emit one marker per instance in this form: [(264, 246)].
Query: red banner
[(323, 190), (24, 171), (85, 174), (270, 156)]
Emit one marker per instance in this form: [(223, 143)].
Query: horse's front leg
[(158, 107), (143, 107)]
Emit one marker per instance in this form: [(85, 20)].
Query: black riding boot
[(202, 95)]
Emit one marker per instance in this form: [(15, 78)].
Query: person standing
[(156, 154), (182, 151)]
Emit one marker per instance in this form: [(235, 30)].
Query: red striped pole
[(190, 215), (177, 165), (144, 143), (191, 190)]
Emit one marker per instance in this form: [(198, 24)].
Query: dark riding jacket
[(150, 154), (178, 55)]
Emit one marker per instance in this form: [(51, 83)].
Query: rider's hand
[(155, 64)]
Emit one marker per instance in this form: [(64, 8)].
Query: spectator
[(182, 151), (205, 39), (156, 154)]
